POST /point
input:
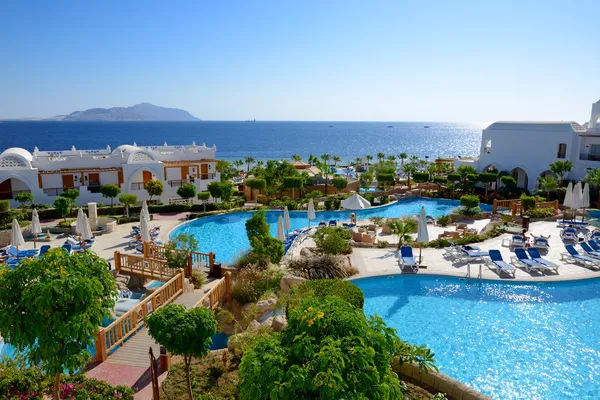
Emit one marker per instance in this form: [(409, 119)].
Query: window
[(562, 150), (487, 148)]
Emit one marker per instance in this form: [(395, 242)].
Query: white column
[(93, 215)]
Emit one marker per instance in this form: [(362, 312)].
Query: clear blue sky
[(321, 60)]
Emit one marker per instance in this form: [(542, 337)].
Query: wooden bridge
[(196, 261)]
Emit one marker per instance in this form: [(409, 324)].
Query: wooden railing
[(213, 297), (195, 260), (109, 338), (515, 205), (503, 204), (144, 267)]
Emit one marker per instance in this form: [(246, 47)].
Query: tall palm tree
[(402, 157), (403, 229), (249, 161), (238, 163), (311, 160), (593, 178), (296, 157), (380, 156), (336, 160), (260, 163), (369, 158), (561, 168), (547, 185), (392, 158), (409, 169), (357, 161)]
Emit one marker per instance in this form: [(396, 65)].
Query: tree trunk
[(188, 360), (55, 387), (599, 196)]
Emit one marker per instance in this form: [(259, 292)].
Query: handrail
[(213, 297), (196, 260), (109, 338), (144, 267)]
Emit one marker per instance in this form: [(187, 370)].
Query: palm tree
[(561, 168), (311, 160), (392, 159), (547, 185), (249, 161), (403, 229), (369, 158), (260, 163), (593, 178), (238, 163), (380, 156), (402, 157), (409, 169), (296, 157), (336, 160), (357, 161)]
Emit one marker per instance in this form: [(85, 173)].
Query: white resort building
[(526, 149), (47, 173)]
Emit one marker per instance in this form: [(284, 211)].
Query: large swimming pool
[(507, 340), (225, 235)]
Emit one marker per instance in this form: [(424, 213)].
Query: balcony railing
[(178, 182), (53, 191), (589, 157), (137, 186)]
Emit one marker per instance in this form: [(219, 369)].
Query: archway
[(11, 187), (521, 177), (139, 179)]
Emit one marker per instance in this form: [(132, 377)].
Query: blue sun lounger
[(44, 249), (594, 245), (407, 259), (500, 265), (535, 256), (589, 251), (573, 255), (469, 254), (68, 248), (523, 259)]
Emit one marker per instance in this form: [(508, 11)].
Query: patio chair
[(535, 256), (499, 264), (574, 256), (430, 219), (322, 224), (406, 258), (521, 258)]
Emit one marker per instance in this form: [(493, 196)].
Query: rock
[(307, 252), (253, 325), (279, 323), (260, 308), (287, 282), (267, 323), (225, 323)]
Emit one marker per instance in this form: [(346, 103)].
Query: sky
[(463, 61)]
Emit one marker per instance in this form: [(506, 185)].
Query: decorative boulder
[(279, 323), (268, 322), (287, 282)]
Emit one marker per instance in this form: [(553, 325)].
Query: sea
[(261, 139)]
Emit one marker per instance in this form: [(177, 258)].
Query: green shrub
[(321, 289), (268, 246), (325, 266), (4, 205), (198, 279), (65, 224), (528, 202), (252, 259), (444, 220), (331, 240), (540, 213), (252, 283), (125, 220), (339, 183), (470, 205), (257, 225), (382, 244)]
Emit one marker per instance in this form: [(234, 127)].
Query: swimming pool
[(225, 235), (507, 340)]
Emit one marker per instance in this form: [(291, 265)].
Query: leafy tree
[(268, 246), (470, 204), (187, 191), (440, 180), (369, 159), (110, 191), (220, 190), (547, 185), (257, 225), (204, 197), (366, 180), (71, 194), (4, 206), (62, 206), (486, 178), (154, 187), (403, 230), (238, 163), (50, 308), (421, 177), (332, 240), (561, 168), (183, 332), (528, 203), (177, 250), (509, 183), (128, 200), (339, 183), (465, 170), (256, 183), (227, 171), (453, 178), (293, 182), (24, 197), (593, 178), (249, 161)]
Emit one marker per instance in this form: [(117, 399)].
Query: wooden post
[(100, 340), (495, 208), (117, 261), (145, 249), (182, 275), (211, 260), (555, 206), (228, 285), (190, 265)]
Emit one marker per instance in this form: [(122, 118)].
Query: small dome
[(17, 151), (125, 148)]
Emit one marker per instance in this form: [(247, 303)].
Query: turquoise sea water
[(261, 140), (225, 235), (509, 341)]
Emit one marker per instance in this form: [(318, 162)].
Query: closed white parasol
[(280, 234), (36, 227), (311, 211), (422, 233), (287, 224)]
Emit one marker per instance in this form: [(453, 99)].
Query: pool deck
[(375, 262)]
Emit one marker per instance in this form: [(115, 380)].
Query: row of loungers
[(15, 258), (591, 258)]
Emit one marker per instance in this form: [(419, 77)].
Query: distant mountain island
[(139, 112)]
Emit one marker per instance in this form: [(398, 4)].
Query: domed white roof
[(17, 151), (125, 148)]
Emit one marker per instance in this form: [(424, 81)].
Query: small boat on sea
[(331, 126), (390, 126), (426, 126)]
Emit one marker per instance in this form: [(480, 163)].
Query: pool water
[(507, 340), (225, 235), (154, 284)]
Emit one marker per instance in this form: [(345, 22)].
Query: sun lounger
[(406, 258), (535, 256), (569, 234), (322, 224), (471, 254), (333, 223), (572, 223), (514, 241), (44, 249), (573, 255), (499, 264), (589, 251), (68, 248), (12, 251), (529, 264), (430, 219)]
